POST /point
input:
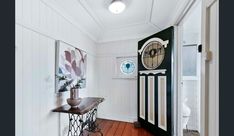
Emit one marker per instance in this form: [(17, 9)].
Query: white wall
[(120, 94), (37, 27)]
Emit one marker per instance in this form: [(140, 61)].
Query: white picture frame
[(70, 62), (118, 73)]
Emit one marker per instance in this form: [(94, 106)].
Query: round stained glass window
[(127, 67), (153, 55)]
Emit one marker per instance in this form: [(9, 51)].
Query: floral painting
[(71, 65)]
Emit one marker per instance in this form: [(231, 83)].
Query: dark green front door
[(155, 86)]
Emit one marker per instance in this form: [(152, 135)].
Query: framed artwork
[(70, 66), (125, 67)]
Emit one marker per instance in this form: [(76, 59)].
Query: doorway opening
[(190, 67)]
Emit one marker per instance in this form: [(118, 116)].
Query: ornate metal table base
[(83, 117), (79, 123)]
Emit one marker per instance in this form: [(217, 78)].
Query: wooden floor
[(117, 128)]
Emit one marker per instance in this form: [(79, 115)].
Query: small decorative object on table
[(74, 99), (74, 93)]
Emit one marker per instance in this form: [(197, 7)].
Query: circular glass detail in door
[(153, 55)]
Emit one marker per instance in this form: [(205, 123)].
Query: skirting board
[(117, 118)]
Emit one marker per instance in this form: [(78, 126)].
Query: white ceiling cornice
[(92, 14), (84, 4), (182, 7), (101, 26)]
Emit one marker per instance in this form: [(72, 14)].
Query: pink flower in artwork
[(68, 56), (68, 68), (76, 69), (73, 55), (72, 64)]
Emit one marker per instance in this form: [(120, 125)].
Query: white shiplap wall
[(120, 94), (37, 27)]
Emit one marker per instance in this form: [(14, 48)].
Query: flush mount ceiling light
[(117, 6)]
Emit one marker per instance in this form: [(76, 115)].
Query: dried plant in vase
[(74, 99), (74, 91)]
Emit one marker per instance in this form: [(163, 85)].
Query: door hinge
[(208, 55)]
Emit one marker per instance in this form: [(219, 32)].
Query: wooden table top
[(86, 104)]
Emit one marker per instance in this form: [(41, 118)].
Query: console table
[(83, 117)]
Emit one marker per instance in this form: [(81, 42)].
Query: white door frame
[(209, 70), (178, 97)]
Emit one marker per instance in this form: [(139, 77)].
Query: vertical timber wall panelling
[(37, 27), (120, 94), (158, 84)]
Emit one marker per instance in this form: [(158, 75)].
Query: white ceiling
[(141, 17)]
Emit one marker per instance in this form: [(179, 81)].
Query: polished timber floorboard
[(118, 128)]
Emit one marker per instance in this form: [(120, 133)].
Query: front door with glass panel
[(155, 82)]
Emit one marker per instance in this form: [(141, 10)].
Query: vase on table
[(74, 100)]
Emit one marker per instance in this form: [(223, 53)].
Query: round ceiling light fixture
[(117, 6)]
